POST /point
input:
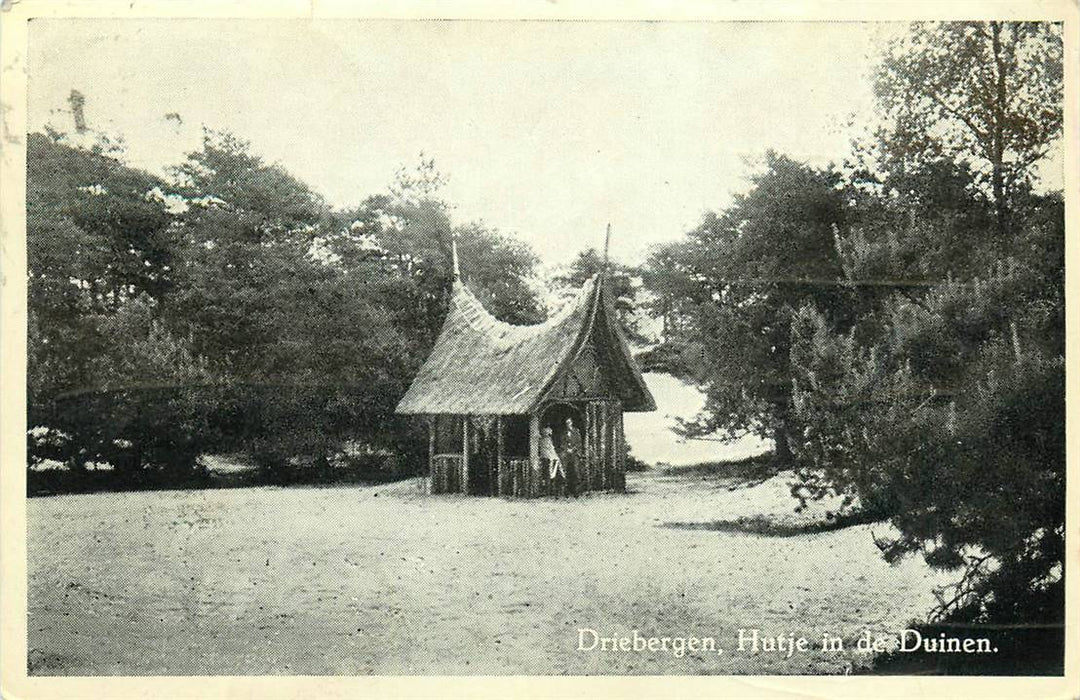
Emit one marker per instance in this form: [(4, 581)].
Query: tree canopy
[(898, 325), (740, 277), (231, 308), (985, 94)]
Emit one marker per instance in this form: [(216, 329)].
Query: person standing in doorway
[(548, 455), (572, 455)]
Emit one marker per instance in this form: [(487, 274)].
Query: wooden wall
[(601, 467), (446, 474), (604, 467)]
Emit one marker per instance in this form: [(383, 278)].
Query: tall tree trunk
[(782, 417), (324, 472), (997, 158), (782, 441)]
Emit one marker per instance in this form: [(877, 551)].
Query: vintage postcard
[(542, 349)]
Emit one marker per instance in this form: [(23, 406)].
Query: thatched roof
[(480, 365)]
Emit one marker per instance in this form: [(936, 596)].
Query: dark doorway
[(555, 416), (482, 449), (516, 437)]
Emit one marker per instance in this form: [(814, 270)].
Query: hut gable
[(482, 366), (583, 378)]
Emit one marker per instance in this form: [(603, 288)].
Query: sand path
[(385, 580)]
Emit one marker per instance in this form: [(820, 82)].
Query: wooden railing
[(446, 473), (514, 477), (599, 465)]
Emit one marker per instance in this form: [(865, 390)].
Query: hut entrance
[(555, 417), (598, 460)]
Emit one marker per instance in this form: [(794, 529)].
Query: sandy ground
[(651, 436), (385, 580)]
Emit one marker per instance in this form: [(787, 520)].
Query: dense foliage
[(897, 324), (231, 309), (740, 277)]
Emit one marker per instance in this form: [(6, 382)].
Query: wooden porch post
[(620, 450), (465, 454), (498, 456), (431, 453), (590, 446), (534, 453)]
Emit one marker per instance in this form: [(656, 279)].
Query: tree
[(101, 247), (308, 355), (96, 235), (984, 93), (236, 311), (625, 289), (949, 421), (150, 402), (941, 408), (409, 233), (246, 225), (317, 318), (741, 276)]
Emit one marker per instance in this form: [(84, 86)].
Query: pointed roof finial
[(453, 253), (607, 242)]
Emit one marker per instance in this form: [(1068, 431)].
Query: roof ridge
[(482, 320), (480, 365)]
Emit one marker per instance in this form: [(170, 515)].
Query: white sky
[(545, 129)]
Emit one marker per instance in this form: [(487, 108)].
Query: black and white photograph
[(492, 347)]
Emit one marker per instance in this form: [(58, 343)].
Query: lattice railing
[(446, 473)]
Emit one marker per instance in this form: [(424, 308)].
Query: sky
[(547, 130)]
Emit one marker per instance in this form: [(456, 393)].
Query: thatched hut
[(489, 389)]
